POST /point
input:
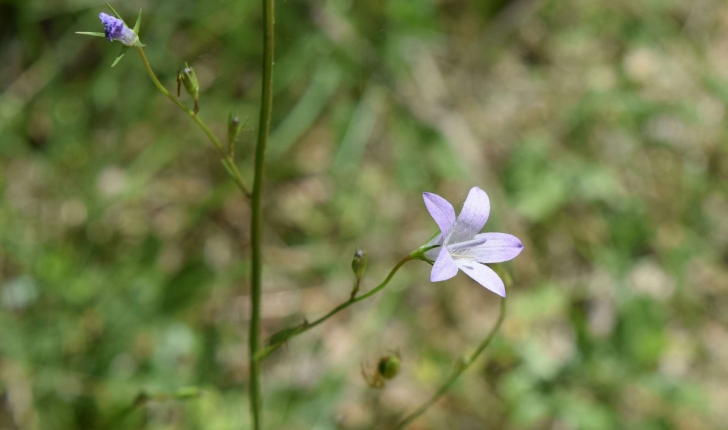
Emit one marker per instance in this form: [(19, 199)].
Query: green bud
[(358, 266), (188, 78), (234, 127), (389, 366), (359, 263)]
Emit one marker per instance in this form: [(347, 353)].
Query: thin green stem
[(460, 368), (227, 161), (256, 224), (351, 301), (295, 331)]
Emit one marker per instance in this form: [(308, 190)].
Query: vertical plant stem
[(256, 230), (460, 368)]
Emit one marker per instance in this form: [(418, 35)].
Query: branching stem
[(227, 161), (295, 331)]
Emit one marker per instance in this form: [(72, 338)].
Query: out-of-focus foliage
[(598, 128)]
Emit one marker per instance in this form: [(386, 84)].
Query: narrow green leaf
[(138, 23), (286, 334), (91, 33), (124, 48), (265, 352), (115, 12), (278, 339)]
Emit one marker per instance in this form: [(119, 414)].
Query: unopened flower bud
[(359, 263), (187, 76), (234, 128), (358, 266), (115, 29)]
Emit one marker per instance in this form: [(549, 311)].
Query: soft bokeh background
[(598, 128)]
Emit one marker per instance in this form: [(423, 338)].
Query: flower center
[(460, 250)]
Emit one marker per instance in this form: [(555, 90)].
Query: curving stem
[(285, 335), (227, 161), (460, 368)]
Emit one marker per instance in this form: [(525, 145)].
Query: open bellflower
[(463, 247), (115, 29)]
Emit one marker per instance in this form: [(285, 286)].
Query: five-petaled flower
[(461, 245), (115, 29)]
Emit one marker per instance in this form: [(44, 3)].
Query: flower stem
[(295, 331), (256, 230), (227, 161), (460, 368)]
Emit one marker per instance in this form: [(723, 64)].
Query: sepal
[(124, 48)]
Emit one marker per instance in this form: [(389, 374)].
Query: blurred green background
[(597, 128)]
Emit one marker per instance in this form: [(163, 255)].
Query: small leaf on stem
[(284, 334), (91, 33), (124, 48), (138, 23), (115, 12)]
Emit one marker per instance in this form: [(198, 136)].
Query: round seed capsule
[(389, 366)]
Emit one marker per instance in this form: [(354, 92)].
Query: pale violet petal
[(440, 210), (432, 254), (483, 275), (444, 268), (472, 218), (496, 248)]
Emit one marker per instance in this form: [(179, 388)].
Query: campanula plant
[(458, 246)]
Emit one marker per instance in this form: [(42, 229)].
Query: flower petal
[(444, 268), (483, 275), (498, 247), (472, 218), (441, 211)]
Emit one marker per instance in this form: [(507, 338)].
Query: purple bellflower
[(115, 29), (463, 247)]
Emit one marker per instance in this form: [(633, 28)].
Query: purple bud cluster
[(115, 29)]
